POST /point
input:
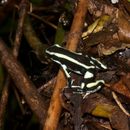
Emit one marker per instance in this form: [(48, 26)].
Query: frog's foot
[(91, 91), (70, 82)]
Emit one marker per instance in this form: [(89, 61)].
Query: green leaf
[(103, 110), (60, 32)]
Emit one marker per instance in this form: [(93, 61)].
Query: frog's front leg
[(88, 77), (64, 67), (90, 86)]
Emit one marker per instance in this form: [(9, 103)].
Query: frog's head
[(55, 51)]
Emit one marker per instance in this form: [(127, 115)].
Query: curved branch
[(22, 82)]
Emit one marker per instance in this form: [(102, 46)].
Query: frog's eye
[(120, 54)]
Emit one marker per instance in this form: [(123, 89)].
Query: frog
[(74, 62)]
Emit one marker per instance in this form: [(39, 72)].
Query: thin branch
[(73, 40), (19, 32), (43, 20), (119, 103)]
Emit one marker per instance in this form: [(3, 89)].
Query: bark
[(22, 82)]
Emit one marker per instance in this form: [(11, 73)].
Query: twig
[(17, 41), (5, 92), (119, 104), (43, 20), (49, 83), (19, 31), (39, 18), (73, 40)]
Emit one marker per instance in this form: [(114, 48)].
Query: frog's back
[(64, 56)]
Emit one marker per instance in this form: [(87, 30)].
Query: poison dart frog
[(80, 64)]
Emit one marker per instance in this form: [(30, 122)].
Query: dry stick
[(5, 92), (17, 41), (73, 40), (43, 20), (22, 82), (19, 31), (119, 104), (3, 101)]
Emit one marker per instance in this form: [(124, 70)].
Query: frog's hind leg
[(95, 84), (93, 87)]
